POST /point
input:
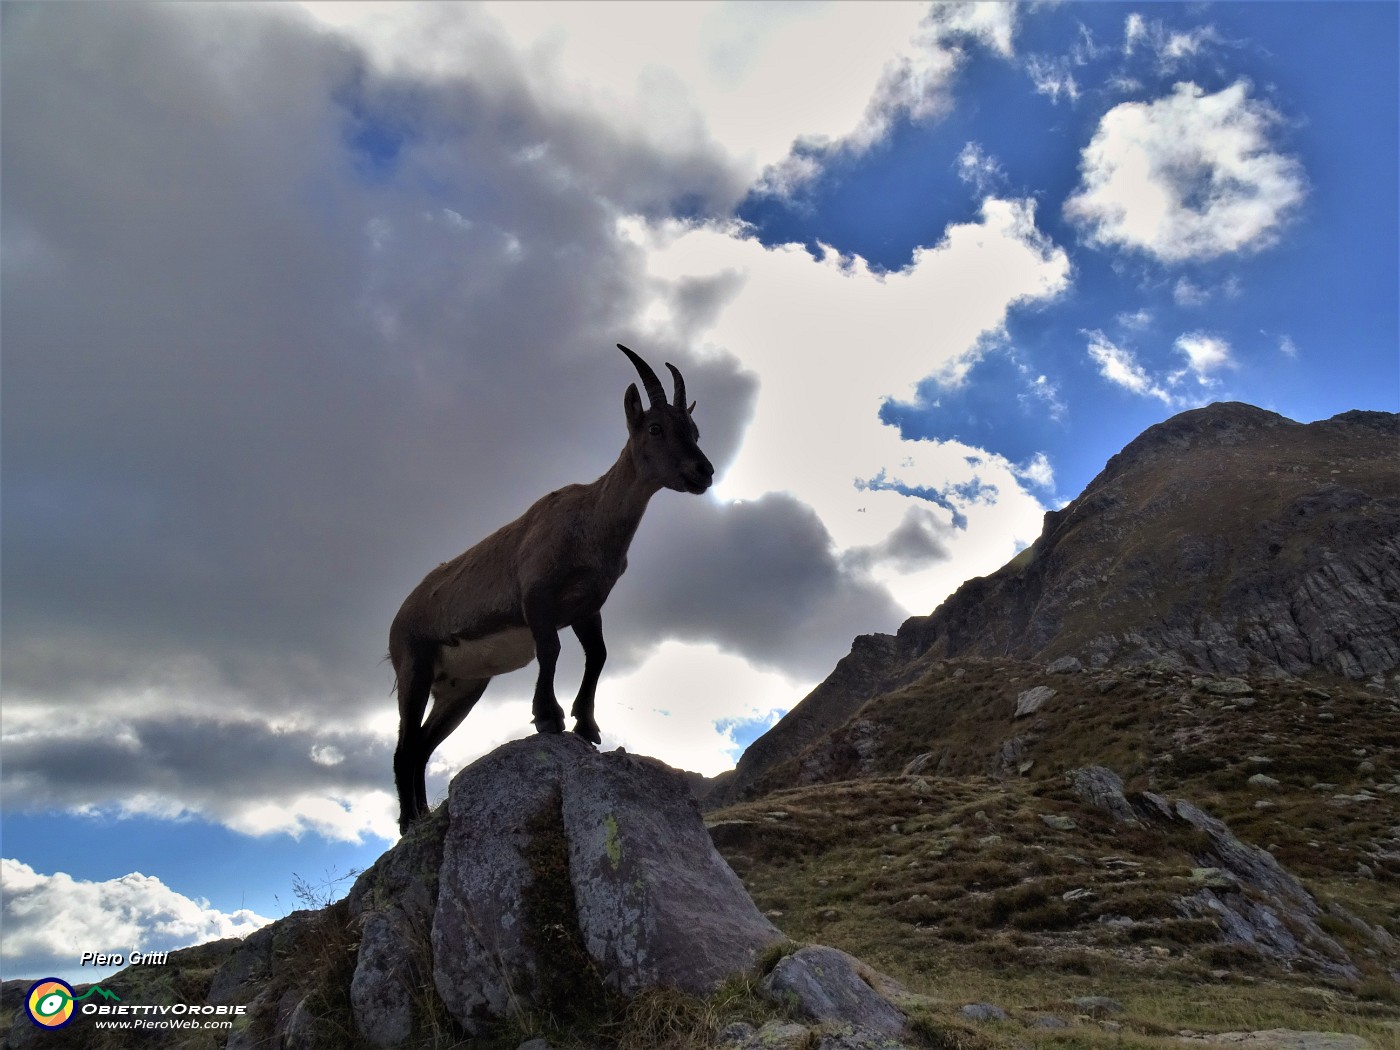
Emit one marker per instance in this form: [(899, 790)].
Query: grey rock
[(828, 985), (1102, 789), (394, 902), (736, 1034), (1228, 687), (1059, 821), (848, 1037), (919, 763), (1032, 700), (1065, 665), (380, 998), (778, 1035), (1048, 1021), (657, 905), (560, 860), (1263, 782), (1097, 1005), (1213, 878), (1289, 1039), (984, 1012)]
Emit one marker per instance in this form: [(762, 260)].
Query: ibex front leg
[(540, 616), (590, 635)]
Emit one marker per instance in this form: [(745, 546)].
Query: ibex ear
[(632, 406)]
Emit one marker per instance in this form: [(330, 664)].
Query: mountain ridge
[(1225, 539)]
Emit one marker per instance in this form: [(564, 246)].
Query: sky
[(298, 301)]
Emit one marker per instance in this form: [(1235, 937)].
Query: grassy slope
[(954, 884)]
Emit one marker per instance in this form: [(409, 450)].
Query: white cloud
[(830, 340), (1204, 354), (1053, 78), (682, 700), (1170, 47), (978, 168), (1287, 346), (1189, 176), (755, 79), (1038, 470), (1049, 394), (1121, 368), (1135, 320), (1187, 293), (49, 920)]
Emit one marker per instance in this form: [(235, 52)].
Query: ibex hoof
[(549, 725), (589, 731)]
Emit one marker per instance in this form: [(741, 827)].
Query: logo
[(50, 1001)]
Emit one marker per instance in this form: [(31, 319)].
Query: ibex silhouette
[(497, 606)]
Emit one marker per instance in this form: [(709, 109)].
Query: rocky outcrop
[(1248, 894), (556, 883), (567, 874), (1223, 541)]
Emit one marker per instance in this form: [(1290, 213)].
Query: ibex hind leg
[(449, 708), (415, 680)]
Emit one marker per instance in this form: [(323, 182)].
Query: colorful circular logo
[(50, 1002)]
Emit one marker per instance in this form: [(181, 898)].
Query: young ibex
[(502, 603)]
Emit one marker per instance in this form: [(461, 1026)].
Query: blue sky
[(300, 301)]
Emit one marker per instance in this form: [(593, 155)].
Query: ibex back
[(497, 606)]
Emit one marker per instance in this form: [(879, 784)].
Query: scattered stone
[(1263, 782), (848, 1037), (1048, 1021), (1058, 821), (740, 1032), (1065, 665), (1097, 1005), (828, 985), (778, 1035), (1032, 700), (1213, 878), (1101, 788), (1079, 894), (919, 763), (984, 1012), (1288, 1039), (1225, 686)]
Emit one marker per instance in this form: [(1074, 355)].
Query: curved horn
[(655, 394), (680, 385)]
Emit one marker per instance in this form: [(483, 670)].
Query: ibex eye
[(655, 428)]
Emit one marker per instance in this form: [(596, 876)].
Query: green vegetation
[(954, 884)]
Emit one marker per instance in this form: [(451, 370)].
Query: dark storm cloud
[(281, 333), (206, 765), (760, 578), (916, 542)]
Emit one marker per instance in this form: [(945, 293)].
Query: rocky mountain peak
[(1225, 540), (1223, 423)]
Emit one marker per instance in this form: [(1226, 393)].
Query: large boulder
[(568, 875)]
